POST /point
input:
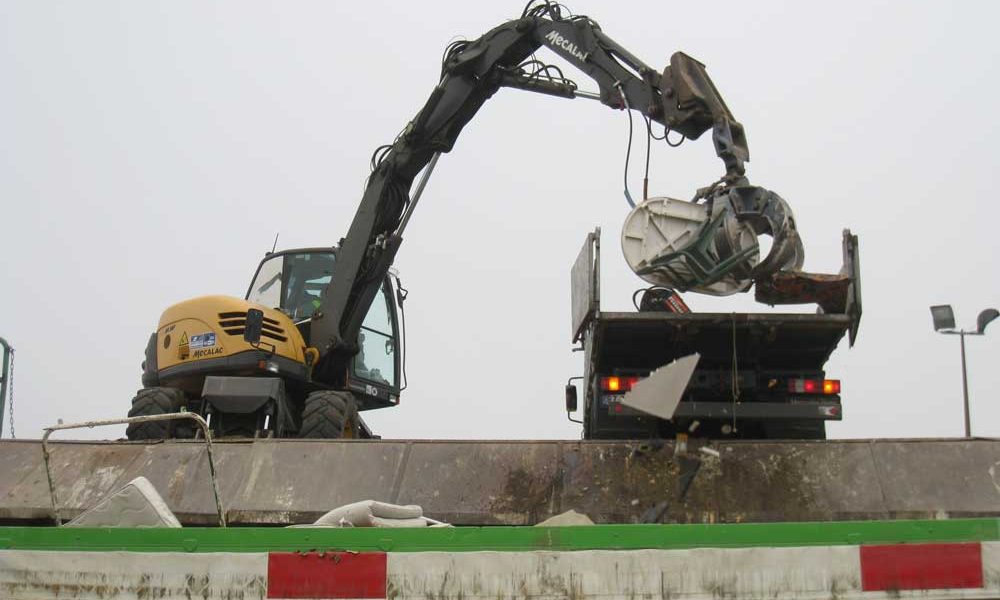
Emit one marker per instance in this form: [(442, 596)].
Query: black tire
[(330, 415), (150, 375), (158, 401)]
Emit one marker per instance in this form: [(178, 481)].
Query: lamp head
[(944, 317), (985, 318)]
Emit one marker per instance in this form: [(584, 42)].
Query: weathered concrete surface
[(519, 483)]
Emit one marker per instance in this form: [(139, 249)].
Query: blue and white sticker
[(202, 340)]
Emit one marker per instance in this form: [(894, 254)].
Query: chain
[(10, 386)]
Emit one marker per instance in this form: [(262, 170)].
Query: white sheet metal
[(660, 393), (136, 504)]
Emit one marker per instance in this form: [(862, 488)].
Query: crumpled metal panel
[(799, 287), (521, 482)]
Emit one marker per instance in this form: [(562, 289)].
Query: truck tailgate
[(788, 341)]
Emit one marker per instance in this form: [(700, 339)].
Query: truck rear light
[(814, 386), (618, 384)]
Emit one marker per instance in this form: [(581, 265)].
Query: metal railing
[(166, 417)]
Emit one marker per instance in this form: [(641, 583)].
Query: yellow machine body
[(204, 335)]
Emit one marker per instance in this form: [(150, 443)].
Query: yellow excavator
[(316, 337), (246, 364)]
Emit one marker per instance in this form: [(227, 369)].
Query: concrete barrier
[(520, 482)]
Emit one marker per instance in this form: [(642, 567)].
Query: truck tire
[(158, 401), (329, 414)]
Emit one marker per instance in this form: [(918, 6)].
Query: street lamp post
[(944, 322), (6, 354)]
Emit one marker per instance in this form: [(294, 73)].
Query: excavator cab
[(293, 282)]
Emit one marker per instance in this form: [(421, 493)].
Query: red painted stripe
[(921, 567), (326, 575)]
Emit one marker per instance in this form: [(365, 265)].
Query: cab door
[(375, 371)]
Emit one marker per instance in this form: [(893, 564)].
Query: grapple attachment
[(712, 248)]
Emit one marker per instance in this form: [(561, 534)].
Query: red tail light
[(618, 384), (814, 386)]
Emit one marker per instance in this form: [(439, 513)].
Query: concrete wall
[(520, 483)]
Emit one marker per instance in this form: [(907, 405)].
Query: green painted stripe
[(511, 539)]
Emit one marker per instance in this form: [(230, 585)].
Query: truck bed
[(788, 341)]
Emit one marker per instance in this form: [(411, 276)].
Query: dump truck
[(758, 375)]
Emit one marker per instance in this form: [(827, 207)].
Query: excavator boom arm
[(682, 98)]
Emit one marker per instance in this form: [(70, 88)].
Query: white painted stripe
[(31, 575), (696, 574), (811, 573), (991, 565)]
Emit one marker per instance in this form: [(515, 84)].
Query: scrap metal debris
[(568, 518), (135, 504), (712, 248), (660, 393), (372, 513)]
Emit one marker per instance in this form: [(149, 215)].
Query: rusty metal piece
[(145, 419), (799, 287), (835, 294)]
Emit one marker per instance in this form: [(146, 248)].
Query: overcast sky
[(150, 151)]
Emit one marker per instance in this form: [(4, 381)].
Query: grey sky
[(151, 151)]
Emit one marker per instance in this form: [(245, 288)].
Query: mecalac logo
[(557, 40)]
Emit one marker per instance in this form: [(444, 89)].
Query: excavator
[(316, 338)]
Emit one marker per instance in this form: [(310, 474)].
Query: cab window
[(293, 283), (376, 359)]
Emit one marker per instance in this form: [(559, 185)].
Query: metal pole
[(418, 192), (4, 376), (164, 417), (965, 388)]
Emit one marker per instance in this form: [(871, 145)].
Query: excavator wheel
[(329, 414), (158, 401), (150, 376)]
